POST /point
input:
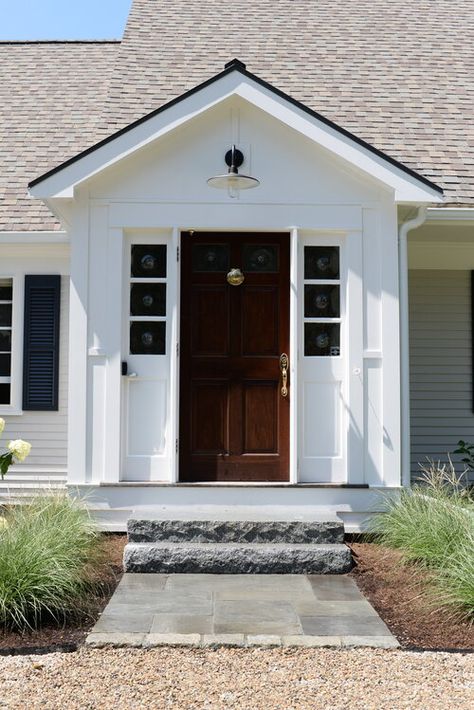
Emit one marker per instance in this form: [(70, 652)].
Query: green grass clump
[(432, 524), (47, 551)]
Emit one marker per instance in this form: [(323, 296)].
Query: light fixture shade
[(232, 180)]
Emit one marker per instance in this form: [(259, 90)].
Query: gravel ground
[(251, 679)]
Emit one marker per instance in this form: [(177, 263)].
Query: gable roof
[(236, 80), (398, 75)]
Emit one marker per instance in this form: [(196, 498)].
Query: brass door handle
[(284, 374)]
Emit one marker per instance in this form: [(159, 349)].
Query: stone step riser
[(201, 531), (244, 559)]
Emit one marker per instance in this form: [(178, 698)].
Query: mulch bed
[(396, 592), (70, 635)]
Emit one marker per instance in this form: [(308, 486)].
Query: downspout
[(404, 340)]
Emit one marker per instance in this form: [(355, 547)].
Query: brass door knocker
[(235, 277)]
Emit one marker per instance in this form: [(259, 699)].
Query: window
[(148, 299), (6, 304), (322, 314)]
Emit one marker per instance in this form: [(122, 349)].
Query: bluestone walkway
[(149, 610)]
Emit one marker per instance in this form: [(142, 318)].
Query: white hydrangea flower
[(2, 425), (20, 449)]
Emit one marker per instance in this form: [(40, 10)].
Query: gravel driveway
[(247, 679)]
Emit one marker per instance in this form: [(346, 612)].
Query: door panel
[(260, 417), (210, 305), (210, 404), (234, 422), (260, 325)]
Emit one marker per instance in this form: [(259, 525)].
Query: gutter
[(404, 340)]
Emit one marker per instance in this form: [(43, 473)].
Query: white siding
[(440, 363), (46, 431)]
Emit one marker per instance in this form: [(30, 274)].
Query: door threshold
[(225, 484)]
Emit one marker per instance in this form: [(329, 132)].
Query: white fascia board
[(407, 188), (34, 237), (450, 214)]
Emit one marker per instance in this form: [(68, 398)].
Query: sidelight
[(148, 299), (322, 310)]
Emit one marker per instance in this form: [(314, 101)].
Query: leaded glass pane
[(260, 258), (321, 262), (148, 299), (147, 338), (321, 301), (211, 257), (148, 261), (321, 339)]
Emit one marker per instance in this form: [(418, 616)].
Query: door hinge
[(177, 253), (176, 445), (177, 349)]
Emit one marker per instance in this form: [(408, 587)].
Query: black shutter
[(41, 343)]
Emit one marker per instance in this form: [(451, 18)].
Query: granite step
[(237, 558), (245, 526)]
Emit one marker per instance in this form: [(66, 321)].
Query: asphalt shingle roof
[(399, 75), (51, 99)]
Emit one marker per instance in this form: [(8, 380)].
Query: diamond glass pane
[(321, 339), (5, 364), (148, 261), (147, 338), (321, 262), (211, 257), (5, 314), (148, 299), (262, 258), (321, 301)]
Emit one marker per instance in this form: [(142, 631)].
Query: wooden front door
[(234, 419)]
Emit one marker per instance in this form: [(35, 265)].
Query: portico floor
[(149, 610)]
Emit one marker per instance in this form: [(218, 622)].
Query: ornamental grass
[(432, 525), (48, 551)]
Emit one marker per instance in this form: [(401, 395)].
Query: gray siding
[(46, 431), (440, 363)]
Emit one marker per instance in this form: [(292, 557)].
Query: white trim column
[(78, 306)]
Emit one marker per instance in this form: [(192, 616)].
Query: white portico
[(326, 200)]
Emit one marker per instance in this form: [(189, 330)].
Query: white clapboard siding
[(440, 363), (46, 431)]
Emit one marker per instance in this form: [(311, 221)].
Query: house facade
[(170, 341)]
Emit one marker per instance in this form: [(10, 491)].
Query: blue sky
[(63, 19)]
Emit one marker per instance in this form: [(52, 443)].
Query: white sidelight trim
[(294, 355), (404, 340), (174, 277)]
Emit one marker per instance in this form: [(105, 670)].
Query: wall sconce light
[(233, 181)]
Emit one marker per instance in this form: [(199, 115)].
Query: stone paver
[(307, 611)]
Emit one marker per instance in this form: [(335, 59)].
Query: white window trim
[(16, 371)]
